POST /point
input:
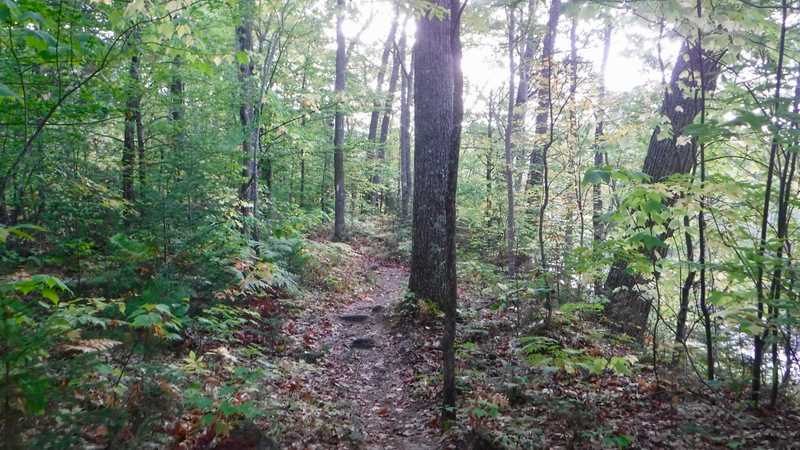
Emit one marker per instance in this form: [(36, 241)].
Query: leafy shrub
[(550, 355)]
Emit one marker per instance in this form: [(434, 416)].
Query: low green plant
[(549, 354)]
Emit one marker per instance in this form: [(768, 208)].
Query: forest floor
[(365, 368), (347, 381), (350, 370)]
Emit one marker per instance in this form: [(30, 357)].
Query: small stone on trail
[(363, 343), (311, 357), (354, 317), (377, 308)]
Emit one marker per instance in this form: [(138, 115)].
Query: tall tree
[(248, 192), (526, 44), (379, 104), (598, 232), (129, 136), (380, 155), (406, 96), (437, 119), (543, 96), (338, 127), (513, 120), (626, 310), (759, 340)]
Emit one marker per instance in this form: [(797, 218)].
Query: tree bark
[(378, 106), (701, 221), (513, 122), (758, 344), (338, 128), (490, 161), (380, 156), (626, 310), (686, 291), (437, 119), (406, 93), (302, 199), (535, 170), (248, 192), (129, 137), (524, 69)]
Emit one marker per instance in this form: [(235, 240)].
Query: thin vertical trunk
[(338, 128), (129, 137), (140, 149), (176, 113), (248, 192), (524, 69), (177, 107), (323, 188), (302, 199), (536, 166), (758, 342), (573, 145), (451, 305), (511, 124), (379, 105), (686, 291), (545, 176), (598, 232), (489, 165), (406, 94), (380, 156), (701, 221), (784, 193)]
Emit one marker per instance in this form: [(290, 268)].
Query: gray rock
[(354, 317), (363, 343)]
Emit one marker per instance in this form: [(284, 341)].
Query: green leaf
[(242, 57), (146, 320), (39, 39), (649, 241), (5, 91), (50, 294), (597, 175), (8, 10)]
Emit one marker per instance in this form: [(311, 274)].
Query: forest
[(399, 224)]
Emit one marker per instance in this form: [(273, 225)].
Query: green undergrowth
[(127, 350)]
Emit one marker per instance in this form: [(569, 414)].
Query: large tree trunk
[(433, 121), (248, 192), (536, 167), (626, 310), (338, 128), (437, 121)]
